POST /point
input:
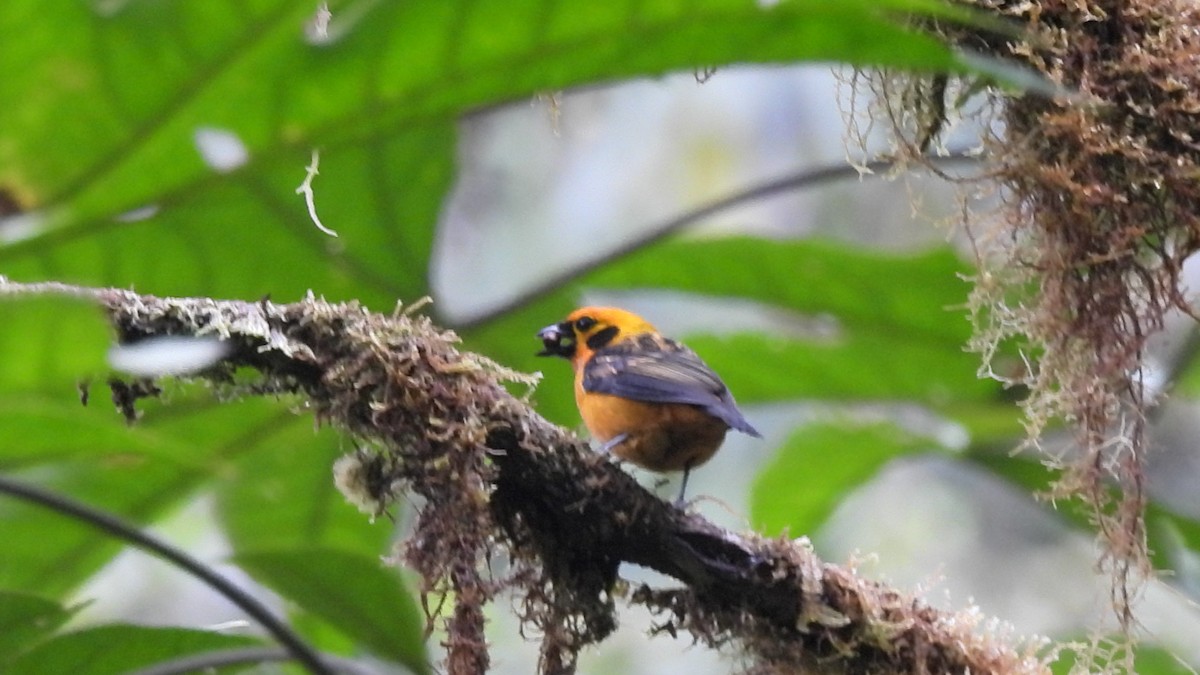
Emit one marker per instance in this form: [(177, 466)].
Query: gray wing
[(673, 374)]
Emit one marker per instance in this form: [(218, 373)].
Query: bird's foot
[(679, 501)]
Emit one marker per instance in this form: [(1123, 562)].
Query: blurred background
[(835, 311)]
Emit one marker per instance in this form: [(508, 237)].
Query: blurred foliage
[(25, 621), (1148, 660), (350, 591), (830, 459), (120, 649), (104, 185)]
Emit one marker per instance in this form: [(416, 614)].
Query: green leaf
[(51, 343), (856, 367), (323, 635), (90, 455), (26, 619), (817, 467), (1159, 661), (1187, 384), (1174, 540), (910, 296), (118, 649), (283, 496), (382, 198), (354, 593), (32, 425), (50, 553), (107, 103), (1149, 660)]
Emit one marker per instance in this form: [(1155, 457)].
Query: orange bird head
[(589, 328)]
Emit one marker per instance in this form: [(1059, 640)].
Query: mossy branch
[(497, 477)]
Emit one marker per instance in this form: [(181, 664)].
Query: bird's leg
[(613, 442), (687, 469)]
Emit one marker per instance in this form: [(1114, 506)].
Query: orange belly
[(660, 436)]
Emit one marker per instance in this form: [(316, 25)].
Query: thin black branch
[(110, 524), (657, 232)]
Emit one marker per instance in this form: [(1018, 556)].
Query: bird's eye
[(584, 323)]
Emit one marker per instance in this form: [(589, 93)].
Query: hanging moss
[(1100, 189)]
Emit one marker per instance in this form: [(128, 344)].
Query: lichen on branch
[(495, 479)]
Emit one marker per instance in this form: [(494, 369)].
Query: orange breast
[(660, 436)]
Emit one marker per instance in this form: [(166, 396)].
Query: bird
[(646, 398)]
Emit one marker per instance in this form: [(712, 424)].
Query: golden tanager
[(647, 398)]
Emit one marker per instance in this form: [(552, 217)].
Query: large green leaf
[(50, 344), (139, 473), (105, 107), (817, 467), (118, 649), (354, 593), (25, 620), (248, 236), (50, 553), (866, 365), (283, 496), (909, 296)]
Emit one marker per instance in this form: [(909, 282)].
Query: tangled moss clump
[(1101, 206)]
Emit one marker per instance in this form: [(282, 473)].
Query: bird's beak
[(557, 340)]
